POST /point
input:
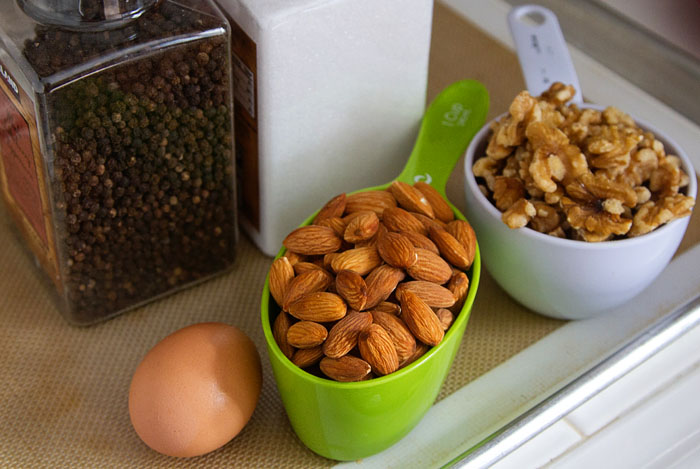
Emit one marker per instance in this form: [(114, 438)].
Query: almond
[(318, 307), (345, 369), (352, 287), (421, 319), (398, 219), (336, 224), (377, 348), (441, 208), (281, 273), (351, 216), (430, 267), (420, 241), (388, 307), (421, 349), (436, 296), (343, 335), (450, 249), (308, 282), (396, 250), (459, 286), (381, 282), (293, 257), (360, 260), (445, 317), (463, 232), (411, 199), (401, 336), (375, 201), (362, 227), (328, 260), (427, 221), (368, 243), (306, 334), (333, 208), (279, 332), (305, 357), (303, 267), (312, 240)]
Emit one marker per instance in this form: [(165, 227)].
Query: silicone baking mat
[(63, 398)]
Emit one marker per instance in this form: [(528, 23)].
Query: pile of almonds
[(372, 283)]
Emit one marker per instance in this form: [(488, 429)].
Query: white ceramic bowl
[(564, 278)]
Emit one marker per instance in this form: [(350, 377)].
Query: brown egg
[(195, 390)]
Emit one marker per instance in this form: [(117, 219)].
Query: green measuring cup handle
[(449, 124)]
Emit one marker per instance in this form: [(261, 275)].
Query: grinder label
[(21, 173), (244, 58)]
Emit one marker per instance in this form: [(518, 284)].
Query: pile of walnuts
[(580, 174)]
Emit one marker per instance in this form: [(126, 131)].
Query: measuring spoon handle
[(542, 51), (448, 126)]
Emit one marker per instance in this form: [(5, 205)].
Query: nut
[(381, 283), (445, 317), (304, 266), (519, 214), (361, 260), (411, 199), (308, 282), (421, 319), (306, 334), (345, 369), (396, 250), (343, 335), (546, 218), (336, 224), (376, 201), (362, 227), (293, 257), (387, 307), (441, 208), (459, 286), (463, 232), (281, 273), (318, 307), (653, 214), (434, 295), (401, 336), (507, 191), (305, 357), (420, 350), (352, 287), (279, 332), (554, 158), (451, 249), (334, 208), (312, 240), (420, 241), (398, 219), (377, 348), (430, 267)]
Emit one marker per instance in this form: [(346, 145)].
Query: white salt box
[(329, 96)]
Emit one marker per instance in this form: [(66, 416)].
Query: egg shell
[(195, 390)]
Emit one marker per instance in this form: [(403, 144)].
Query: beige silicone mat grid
[(63, 390)]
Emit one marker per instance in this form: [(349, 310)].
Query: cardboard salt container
[(329, 96)]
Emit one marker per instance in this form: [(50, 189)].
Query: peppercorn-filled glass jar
[(116, 154)]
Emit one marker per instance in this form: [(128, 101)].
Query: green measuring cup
[(348, 421)]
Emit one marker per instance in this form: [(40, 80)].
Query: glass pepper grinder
[(116, 146)]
